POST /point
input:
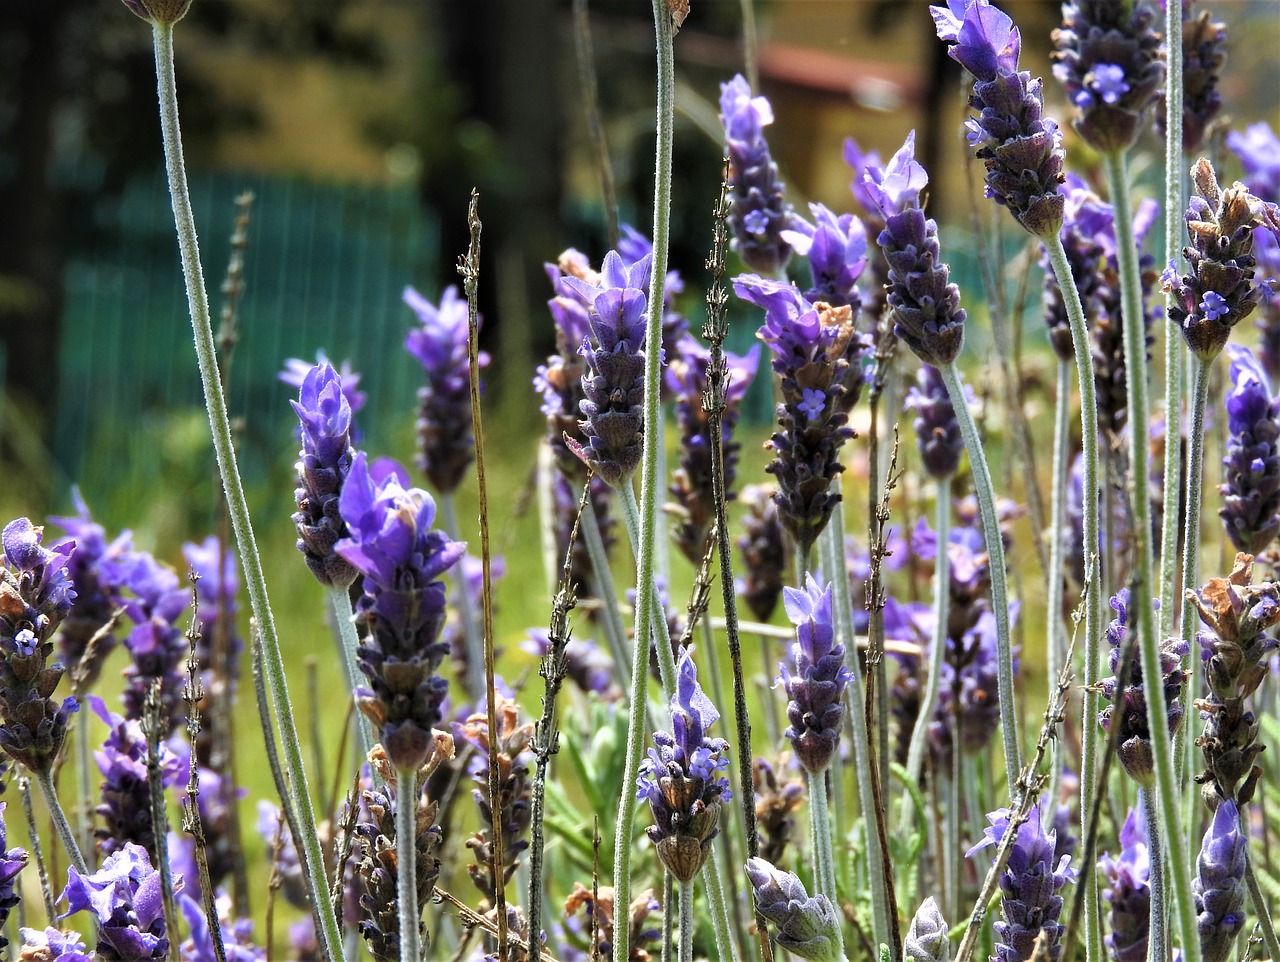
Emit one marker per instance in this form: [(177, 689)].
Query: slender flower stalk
[(407, 863), (686, 922), (329, 933)]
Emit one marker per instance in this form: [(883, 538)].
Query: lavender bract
[(1218, 887), (36, 594), (402, 606), (816, 688), (1030, 887), (1251, 467), (323, 465), (1022, 149), (1128, 892), (924, 304), (446, 443), (125, 898), (807, 927), (759, 212), (680, 778)]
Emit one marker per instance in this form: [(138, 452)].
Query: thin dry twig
[(474, 920), (24, 786), (152, 725)]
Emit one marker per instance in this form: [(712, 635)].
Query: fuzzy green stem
[(686, 921), (937, 651), (1260, 908), (1158, 932), (407, 865), (602, 579), (824, 868), (467, 614), (831, 544), (1093, 601), (59, 818), (1173, 351), (1191, 572), (1135, 352), (661, 630), (726, 946), (1057, 518), (349, 642), (329, 934), (986, 495), (668, 916)]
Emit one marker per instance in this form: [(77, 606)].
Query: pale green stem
[(614, 631), (951, 826), (59, 818), (1260, 908), (1158, 932), (84, 781), (329, 934), (1093, 600), (650, 483), (472, 633), (831, 544), (686, 921), (1057, 517), (1173, 179), (824, 869), (407, 865), (668, 917), (661, 630), (1135, 352), (726, 946), (349, 642), (985, 491), (937, 651)]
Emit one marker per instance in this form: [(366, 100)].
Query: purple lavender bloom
[(758, 213), (97, 596), (1021, 147), (12, 861), (1029, 886), (1128, 891), (612, 420), (237, 935), (807, 927), (814, 349), (969, 690), (36, 594), (446, 443), (322, 468), (125, 809), (837, 250), (680, 778), (53, 945), (1258, 150), (634, 247), (691, 486), (764, 550), (937, 431), (295, 373), (1204, 54), (816, 689), (1134, 739), (1108, 58), (926, 939), (1222, 225), (126, 899), (1251, 468), (1218, 889), (217, 568), (403, 606), (156, 644), (925, 305)]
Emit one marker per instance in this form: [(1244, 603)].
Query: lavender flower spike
[(1220, 290), (322, 467), (1021, 147), (1218, 888), (925, 305), (808, 927), (759, 212), (926, 939), (613, 422), (12, 861), (1029, 886), (1204, 43), (403, 605), (937, 431), (816, 690), (446, 444), (52, 945), (836, 247), (36, 593), (126, 899), (680, 779), (296, 371), (1251, 468), (1128, 892)]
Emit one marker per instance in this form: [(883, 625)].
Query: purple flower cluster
[(937, 431), (807, 927), (1251, 467), (1258, 150), (764, 549), (759, 212), (446, 443), (1218, 888), (1128, 892), (1108, 58), (1021, 147), (157, 645), (295, 373), (816, 678), (1030, 887), (53, 945), (237, 934), (402, 606), (36, 594), (836, 247), (12, 861), (680, 778), (126, 899), (323, 464), (924, 304), (691, 488), (1204, 43)]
